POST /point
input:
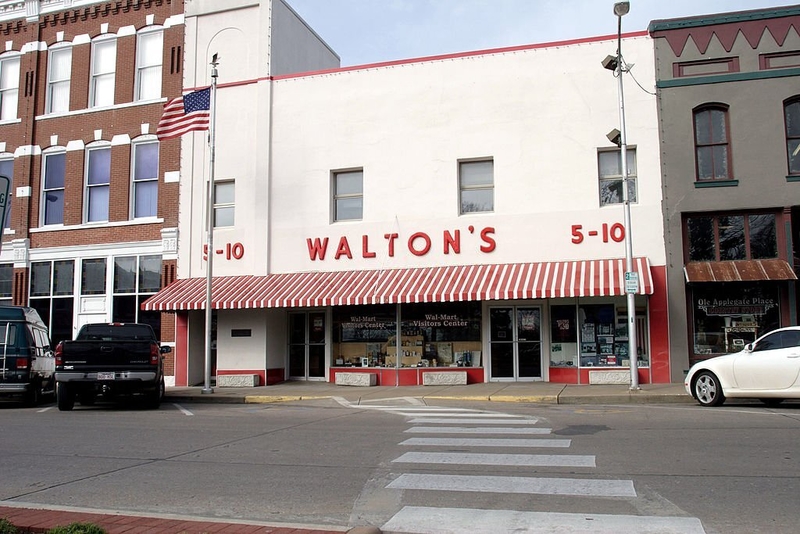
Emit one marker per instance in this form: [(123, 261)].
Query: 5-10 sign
[(614, 232)]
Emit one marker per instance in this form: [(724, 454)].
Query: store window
[(476, 186), (59, 69), (136, 278), (603, 335), (55, 167), (93, 276), (9, 87), (149, 53), (52, 295), (727, 316), (7, 170), (563, 336), (145, 179), (98, 183), (104, 71), (712, 144), (224, 203), (431, 335), (791, 112), (727, 237), (610, 171), (348, 196)]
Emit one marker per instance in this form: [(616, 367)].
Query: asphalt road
[(401, 464)]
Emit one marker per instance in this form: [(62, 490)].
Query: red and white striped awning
[(591, 278)]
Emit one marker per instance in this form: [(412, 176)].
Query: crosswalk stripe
[(445, 413), (479, 430), (424, 520), (472, 421), (523, 485), (472, 458), (488, 442)]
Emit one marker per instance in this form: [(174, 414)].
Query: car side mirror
[(165, 350), (748, 347)]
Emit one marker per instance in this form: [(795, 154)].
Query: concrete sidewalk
[(528, 392)]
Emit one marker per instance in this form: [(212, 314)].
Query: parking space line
[(182, 409)]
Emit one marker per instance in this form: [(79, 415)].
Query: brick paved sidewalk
[(39, 520)]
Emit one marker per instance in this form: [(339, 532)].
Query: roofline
[(723, 18), (458, 55)]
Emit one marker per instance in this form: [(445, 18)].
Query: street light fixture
[(616, 64)]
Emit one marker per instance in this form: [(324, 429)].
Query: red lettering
[(486, 237), (391, 238), (365, 253), (343, 250), (317, 248), (238, 251), (424, 237), (577, 234), (452, 242)]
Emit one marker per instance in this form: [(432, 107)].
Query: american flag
[(185, 114)]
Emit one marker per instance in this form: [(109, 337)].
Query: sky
[(373, 31)]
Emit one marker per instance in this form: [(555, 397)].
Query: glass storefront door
[(307, 345), (515, 344)]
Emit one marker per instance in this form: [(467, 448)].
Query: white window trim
[(95, 76), (100, 145), (143, 140), (140, 68), (52, 83), (42, 207), (11, 89)]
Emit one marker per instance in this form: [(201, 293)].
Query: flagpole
[(210, 228)]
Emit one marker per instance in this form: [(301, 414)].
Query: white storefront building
[(454, 214)]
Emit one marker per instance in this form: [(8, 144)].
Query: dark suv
[(27, 363)]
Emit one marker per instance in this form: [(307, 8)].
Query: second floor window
[(734, 236), (7, 170), (348, 196), (104, 66), (9, 88), (791, 112), (145, 180), (610, 170), (98, 182), (58, 76), (711, 143), (476, 186), (55, 166), (148, 65), (224, 203)]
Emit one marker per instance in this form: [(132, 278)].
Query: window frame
[(747, 234), (58, 83), (149, 66), (11, 91), (147, 182), (633, 190), (792, 138), (5, 158), (45, 189), (226, 206), (338, 198), (95, 189), (97, 95), (472, 188), (710, 109)]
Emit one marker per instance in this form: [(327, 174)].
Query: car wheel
[(153, 400), (771, 402), (707, 389), (64, 398), (33, 397)]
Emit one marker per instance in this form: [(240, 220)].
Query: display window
[(596, 335), (727, 316), (431, 335)]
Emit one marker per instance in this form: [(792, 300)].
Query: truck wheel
[(33, 397), (153, 399), (64, 398)]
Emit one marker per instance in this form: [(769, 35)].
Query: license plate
[(105, 376)]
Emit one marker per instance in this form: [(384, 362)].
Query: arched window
[(712, 143), (791, 113), (59, 72), (149, 52)]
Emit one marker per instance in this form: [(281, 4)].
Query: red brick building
[(91, 226)]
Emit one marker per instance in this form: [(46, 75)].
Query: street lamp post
[(631, 277)]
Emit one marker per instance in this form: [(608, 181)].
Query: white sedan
[(767, 369)]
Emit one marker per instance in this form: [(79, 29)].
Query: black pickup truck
[(110, 360)]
